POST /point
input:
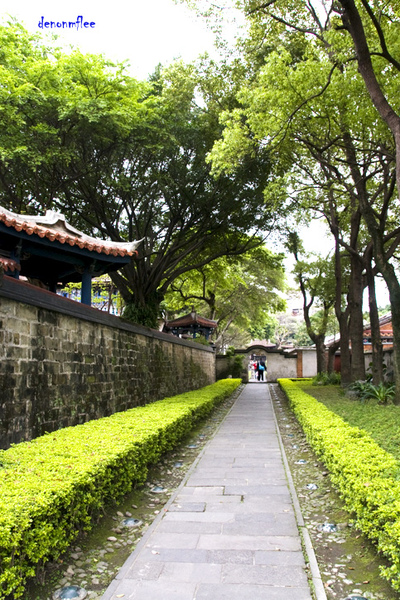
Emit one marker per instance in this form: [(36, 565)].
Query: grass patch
[(381, 422)]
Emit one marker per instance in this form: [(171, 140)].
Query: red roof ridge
[(54, 226)]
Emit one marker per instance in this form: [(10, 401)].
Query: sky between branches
[(144, 32)]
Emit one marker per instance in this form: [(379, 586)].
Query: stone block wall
[(301, 362), (62, 363), (280, 365), (387, 360), (223, 366), (309, 362)]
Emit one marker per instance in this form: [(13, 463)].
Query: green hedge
[(52, 487), (365, 474)]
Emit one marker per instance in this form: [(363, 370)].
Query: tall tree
[(308, 102), (241, 292), (126, 160), (373, 30), (316, 278)]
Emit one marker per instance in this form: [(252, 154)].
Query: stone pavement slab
[(230, 531)]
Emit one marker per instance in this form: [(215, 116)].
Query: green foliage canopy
[(126, 160), (241, 291)]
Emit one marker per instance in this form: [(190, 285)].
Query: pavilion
[(191, 324), (48, 251)]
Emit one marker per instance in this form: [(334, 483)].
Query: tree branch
[(385, 52)]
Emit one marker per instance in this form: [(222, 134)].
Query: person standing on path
[(255, 366), (261, 369)]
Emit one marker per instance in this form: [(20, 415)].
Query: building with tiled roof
[(50, 251), (386, 329), (191, 324)]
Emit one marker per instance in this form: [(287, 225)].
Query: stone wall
[(281, 365), (62, 363), (309, 362), (230, 366), (387, 360), (223, 366)]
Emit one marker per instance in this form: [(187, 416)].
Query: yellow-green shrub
[(365, 474), (52, 487)]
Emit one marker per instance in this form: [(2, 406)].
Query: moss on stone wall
[(57, 370)]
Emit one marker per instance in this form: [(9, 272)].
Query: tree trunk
[(321, 353), (392, 283), (317, 337), (376, 342), (345, 354), (353, 23), (331, 356), (342, 316), (356, 320), (389, 274)]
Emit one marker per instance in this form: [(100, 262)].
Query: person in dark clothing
[(261, 369)]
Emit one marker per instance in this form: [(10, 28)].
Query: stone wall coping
[(26, 293), (292, 353)]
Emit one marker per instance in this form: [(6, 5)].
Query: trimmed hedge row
[(52, 487), (365, 474)]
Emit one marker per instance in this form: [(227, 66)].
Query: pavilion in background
[(191, 325)]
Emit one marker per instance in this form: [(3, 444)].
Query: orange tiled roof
[(385, 326), (9, 264), (54, 227)]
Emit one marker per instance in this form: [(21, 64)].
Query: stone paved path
[(230, 532)]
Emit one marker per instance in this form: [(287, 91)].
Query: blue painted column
[(86, 293), (15, 254)]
